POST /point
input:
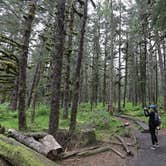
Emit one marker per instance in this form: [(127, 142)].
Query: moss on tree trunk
[(18, 154)]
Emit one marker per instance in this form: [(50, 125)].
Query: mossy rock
[(88, 137)]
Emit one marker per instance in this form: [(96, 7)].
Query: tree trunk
[(23, 65), (33, 84), (68, 57), (164, 58), (105, 64), (163, 75), (47, 146), (14, 100), (57, 67), (143, 59), (17, 154), (126, 74), (35, 92), (120, 65), (34, 96), (111, 92), (78, 68), (156, 80)]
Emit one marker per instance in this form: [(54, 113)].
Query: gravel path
[(148, 157)]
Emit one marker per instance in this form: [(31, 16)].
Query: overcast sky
[(127, 3)]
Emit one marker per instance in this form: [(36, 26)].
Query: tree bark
[(17, 154), (143, 59), (164, 54), (23, 65), (33, 84), (126, 73), (14, 100), (57, 67), (162, 72), (68, 57), (33, 106), (47, 146), (111, 92), (105, 64), (119, 60), (78, 69)]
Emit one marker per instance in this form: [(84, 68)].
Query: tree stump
[(88, 136)]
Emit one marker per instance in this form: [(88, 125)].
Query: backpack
[(157, 119)]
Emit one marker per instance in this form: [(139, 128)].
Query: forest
[(75, 78)]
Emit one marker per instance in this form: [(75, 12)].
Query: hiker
[(154, 123)]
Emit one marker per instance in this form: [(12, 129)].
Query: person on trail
[(154, 123)]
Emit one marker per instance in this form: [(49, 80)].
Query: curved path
[(147, 156)]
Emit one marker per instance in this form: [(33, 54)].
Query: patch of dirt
[(102, 159), (108, 158)]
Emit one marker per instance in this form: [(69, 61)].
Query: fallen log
[(17, 154), (73, 153), (142, 125), (125, 117), (118, 143), (69, 154), (91, 151), (95, 151), (118, 153), (43, 147), (100, 150), (52, 146), (124, 145), (136, 120), (36, 135)]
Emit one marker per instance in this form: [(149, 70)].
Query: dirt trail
[(146, 156)]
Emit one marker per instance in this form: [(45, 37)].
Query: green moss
[(18, 154)]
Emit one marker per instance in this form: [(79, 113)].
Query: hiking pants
[(153, 136)]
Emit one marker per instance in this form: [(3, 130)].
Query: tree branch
[(93, 4), (75, 10)]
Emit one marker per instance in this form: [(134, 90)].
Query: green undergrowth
[(97, 118), (137, 111), (163, 120)]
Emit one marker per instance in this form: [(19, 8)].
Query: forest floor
[(106, 126), (143, 155)]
